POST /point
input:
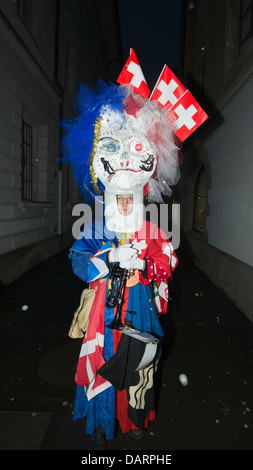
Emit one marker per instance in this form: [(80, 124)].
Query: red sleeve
[(160, 257)]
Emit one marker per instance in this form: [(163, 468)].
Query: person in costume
[(122, 147)]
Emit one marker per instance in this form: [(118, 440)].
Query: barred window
[(27, 162)]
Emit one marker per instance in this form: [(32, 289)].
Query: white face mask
[(124, 162), (124, 158)]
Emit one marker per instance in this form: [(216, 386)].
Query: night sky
[(152, 29)]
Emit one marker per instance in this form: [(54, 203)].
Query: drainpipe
[(59, 210), (60, 115), (59, 222)]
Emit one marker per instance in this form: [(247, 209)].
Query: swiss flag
[(181, 107), (187, 116), (132, 75), (168, 89)]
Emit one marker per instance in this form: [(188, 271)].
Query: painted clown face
[(124, 158), (124, 162)]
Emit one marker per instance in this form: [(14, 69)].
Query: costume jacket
[(98, 397)]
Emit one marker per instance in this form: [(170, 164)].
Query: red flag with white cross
[(168, 89), (132, 75), (186, 115), (183, 110)]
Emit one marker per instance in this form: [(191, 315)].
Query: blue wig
[(77, 144)]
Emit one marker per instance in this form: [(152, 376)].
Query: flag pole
[(157, 82)]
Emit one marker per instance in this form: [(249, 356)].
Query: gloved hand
[(122, 253), (136, 263)]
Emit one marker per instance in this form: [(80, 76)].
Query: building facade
[(216, 189), (47, 47)]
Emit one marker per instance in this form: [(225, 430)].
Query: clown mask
[(124, 162)]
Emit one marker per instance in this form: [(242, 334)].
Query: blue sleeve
[(80, 264), (85, 269), (84, 264)]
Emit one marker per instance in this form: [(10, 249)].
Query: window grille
[(27, 162)]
